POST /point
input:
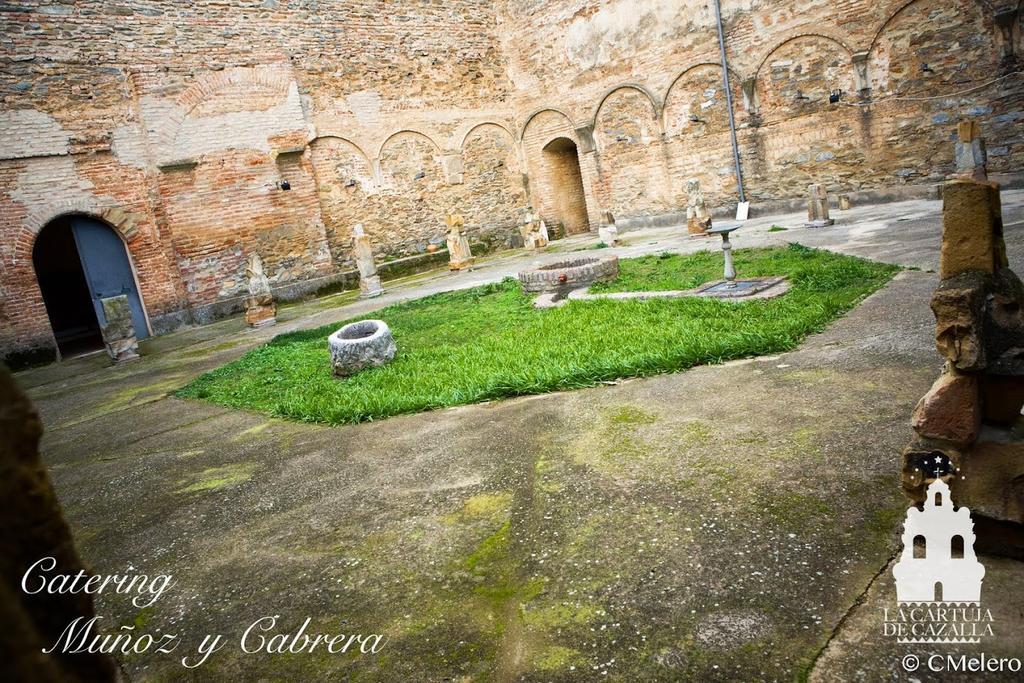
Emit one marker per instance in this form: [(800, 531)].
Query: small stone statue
[(698, 218), (459, 255), (535, 233), (260, 309), (817, 207), (608, 233), (369, 281)]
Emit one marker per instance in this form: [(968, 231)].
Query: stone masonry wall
[(178, 123), (905, 72)]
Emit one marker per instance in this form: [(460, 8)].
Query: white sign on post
[(742, 211)]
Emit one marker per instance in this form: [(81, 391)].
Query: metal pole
[(728, 100)]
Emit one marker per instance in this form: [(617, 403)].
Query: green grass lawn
[(489, 342)]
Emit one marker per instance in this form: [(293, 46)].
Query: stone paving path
[(731, 522)]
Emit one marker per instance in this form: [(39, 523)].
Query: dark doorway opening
[(565, 182), (79, 261), (65, 290)]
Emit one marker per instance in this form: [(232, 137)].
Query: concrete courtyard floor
[(730, 522)]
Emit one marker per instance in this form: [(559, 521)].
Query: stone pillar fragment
[(969, 151), (972, 228), (118, 329), (968, 424), (951, 410), (369, 281), (260, 309), (608, 233), (817, 207), (459, 255), (698, 218)]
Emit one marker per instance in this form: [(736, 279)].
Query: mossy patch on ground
[(219, 477)]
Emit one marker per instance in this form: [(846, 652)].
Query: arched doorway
[(78, 262), (565, 183)]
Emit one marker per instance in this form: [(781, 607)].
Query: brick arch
[(272, 77), (407, 131), (734, 80), (485, 125), (655, 105), (898, 11), (707, 61), (538, 112), (325, 137), (806, 31), (113, 215)]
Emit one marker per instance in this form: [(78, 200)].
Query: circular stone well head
[(359, 345), (571, 273)]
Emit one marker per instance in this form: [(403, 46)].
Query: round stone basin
[(570, 274), (360, 345)]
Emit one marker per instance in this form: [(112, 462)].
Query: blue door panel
[(107, 269)]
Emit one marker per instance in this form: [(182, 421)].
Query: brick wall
[(177, 122)]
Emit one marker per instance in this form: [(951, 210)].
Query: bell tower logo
[(938, 576)]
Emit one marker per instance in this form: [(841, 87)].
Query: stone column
[(369, 281), (118, 329), (459, 255), (590, 172), (817, 207), (698, 218), (260, 309)]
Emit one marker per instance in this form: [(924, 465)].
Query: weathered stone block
[(259, 315), (959, 305), (817, 207), (369, 281), (951, 410), (971, 228), (118, 329), (360, 345)]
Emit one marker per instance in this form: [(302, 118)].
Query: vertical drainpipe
[(728, 100)]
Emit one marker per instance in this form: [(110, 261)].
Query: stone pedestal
[(369, 281), (817, 207), (118, 330), (698, 218), (608, 233), (459, 255), (260, 314), (260, 309)]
